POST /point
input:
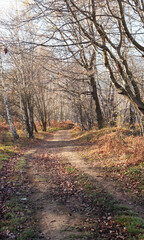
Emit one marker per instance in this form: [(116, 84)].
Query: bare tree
[(10, 120)]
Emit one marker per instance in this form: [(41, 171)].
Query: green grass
[(20, 164), (136, 171), (15, 216), (84, 236), (3, 158), (18, 214), (42, 179), (88, 187), (121, 213), (134, 225), (53, 129), (28, 233), (70, 169), (6, 152)]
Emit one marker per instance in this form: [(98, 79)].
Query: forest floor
[(51, 189)]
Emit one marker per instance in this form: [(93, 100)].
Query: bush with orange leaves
[(128, 149), (112, 147)]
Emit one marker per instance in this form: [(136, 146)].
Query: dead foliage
[(62, 125), (116, 142), (118, 154)]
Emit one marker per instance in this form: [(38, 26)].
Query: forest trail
[(58, 205), (65, 148)]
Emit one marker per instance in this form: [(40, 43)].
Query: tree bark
[(13, 129), (100, 119), (132, 117)]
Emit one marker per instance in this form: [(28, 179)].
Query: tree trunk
[(90, 124), (23, 117), (140, 120), (132, 117), (35, 128), (81, 118), (44, 126), (29, 120), (13, 129), (100, 119), (49, 123)]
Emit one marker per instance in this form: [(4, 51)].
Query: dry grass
[(117, 145), (117, 154)]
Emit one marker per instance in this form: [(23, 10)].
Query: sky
[(6, 6)]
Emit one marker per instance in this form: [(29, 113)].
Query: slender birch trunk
[(10, 121)]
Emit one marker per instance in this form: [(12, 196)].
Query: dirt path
[(60, 207), (57, 204), (66, 149)]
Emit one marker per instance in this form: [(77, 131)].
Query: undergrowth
[(110, 215), (117, 154)]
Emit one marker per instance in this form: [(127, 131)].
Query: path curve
[(63, 146)]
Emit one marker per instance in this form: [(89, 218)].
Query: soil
[(60, 206)]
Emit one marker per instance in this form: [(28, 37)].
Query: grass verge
[(16, 214), (107, 218)]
